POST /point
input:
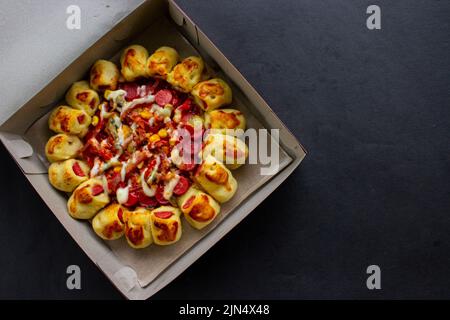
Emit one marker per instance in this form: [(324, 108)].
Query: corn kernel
[(145, 114), (162, 133), (126, 130), (140, 165), (154, 138), (117, 169), (94, 121), (106, 94)]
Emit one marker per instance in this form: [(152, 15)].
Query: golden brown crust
[(138, 229), (187, 73), (62, 147), (133, 62), (198, 208), (108, 223), (162, 61), (166, 225), (212, 94), (68, 174), (81, 96), (216, 179), (104, 75), (67, 120), (87, 199)]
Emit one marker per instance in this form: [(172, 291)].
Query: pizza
[(142, 147)]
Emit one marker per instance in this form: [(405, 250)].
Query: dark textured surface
[(371, 107)]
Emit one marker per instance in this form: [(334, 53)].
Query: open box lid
[(13, 131)]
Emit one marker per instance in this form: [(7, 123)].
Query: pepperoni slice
[(188, 202), (160, 196), (114, 179), (120, 215), (146, 201), (181, 187), (132, 90), (133, 199), (152, 88), (77, 170), (186, 105), (164, 214), (97, 189), (163, 97), (188, 166)]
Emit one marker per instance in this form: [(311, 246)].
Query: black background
[(371, 107)]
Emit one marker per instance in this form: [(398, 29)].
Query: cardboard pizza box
[(138, 274)]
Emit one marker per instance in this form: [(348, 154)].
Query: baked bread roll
[(198, 208), (104, 75), (134, 62), (225, 120), (67, 175), (62, 147), (162, 61), (87, 199), (166, 225), (212, 94), (229, 150), (81, 96), (68, 120), (137, 228), (216, 179), (186, 74), (108, 223)]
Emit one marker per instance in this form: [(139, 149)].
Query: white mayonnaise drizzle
[(168, 188), (96, 168), (123, 171), (155, 170), (135, 102), (175, 157), (149, 192), (117, 97), (112, 162), (122, 194), (105, 183)]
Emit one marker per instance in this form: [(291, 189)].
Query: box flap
[(23, 153)]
